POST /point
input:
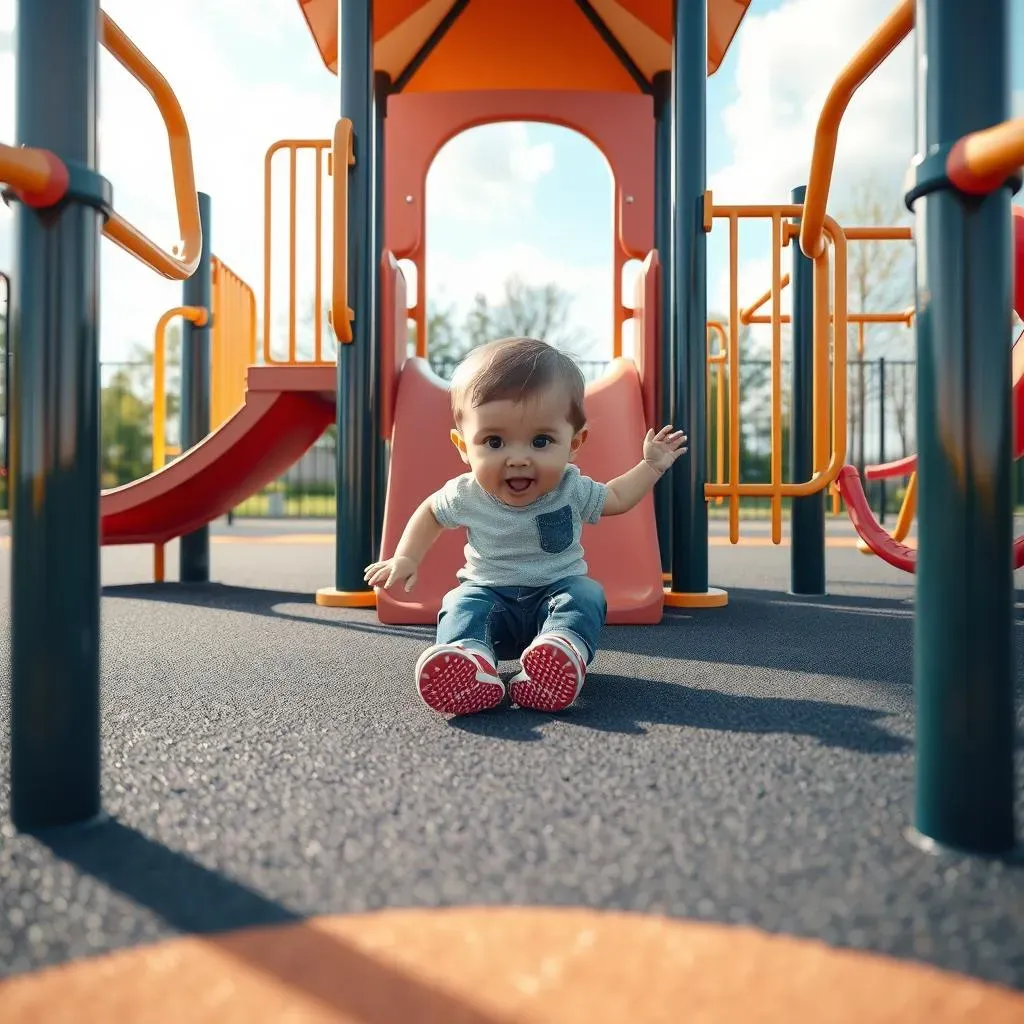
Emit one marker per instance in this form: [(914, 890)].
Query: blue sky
[(531, 199)]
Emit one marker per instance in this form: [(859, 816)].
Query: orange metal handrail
[(198, 316), (342, 157), (37, 175), (889, 35), (717, 362), (829, 439), (233, 344), (981, 161), (182, 261), (747, 314), (293, 146)]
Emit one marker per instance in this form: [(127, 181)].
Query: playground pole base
[(331, 597), (935, 848), (713, 597)]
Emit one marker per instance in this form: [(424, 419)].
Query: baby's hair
[(516, 368)]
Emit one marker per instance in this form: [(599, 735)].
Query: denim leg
[(475, 615), (575, 606)]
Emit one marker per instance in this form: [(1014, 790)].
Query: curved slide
[(286, 409), (622, 552), (848, 482)]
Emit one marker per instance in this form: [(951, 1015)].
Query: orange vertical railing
[(198, 316), (321, 149), (717, 365), (233, 342), (830, 313)]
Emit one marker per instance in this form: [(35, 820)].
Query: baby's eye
[(492, 442), (542, 441)]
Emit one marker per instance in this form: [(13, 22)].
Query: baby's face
[(518, 451)]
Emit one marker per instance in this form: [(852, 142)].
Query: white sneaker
[(457, 680), (552, 676)]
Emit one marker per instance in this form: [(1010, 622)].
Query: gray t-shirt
[(531, 546)]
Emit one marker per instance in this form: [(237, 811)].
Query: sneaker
[(455, 680), (552, 676)]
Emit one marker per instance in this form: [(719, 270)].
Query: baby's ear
[(460, 443), (577, 443)]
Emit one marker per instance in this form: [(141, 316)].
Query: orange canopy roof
[(524, 44)]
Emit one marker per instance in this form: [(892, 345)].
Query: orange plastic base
[(713, 597), (329, 597), (557, 965)]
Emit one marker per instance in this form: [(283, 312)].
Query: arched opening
[(520, 240)]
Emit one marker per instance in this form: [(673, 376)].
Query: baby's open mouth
[(518, 484)]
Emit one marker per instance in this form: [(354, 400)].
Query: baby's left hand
[(662, 449)]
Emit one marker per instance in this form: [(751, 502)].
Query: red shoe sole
[(448, 683), (553, 684)]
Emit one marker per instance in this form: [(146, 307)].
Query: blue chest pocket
[(555, 529)]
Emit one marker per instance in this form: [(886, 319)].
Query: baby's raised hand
[(662, 449), (392, 571)]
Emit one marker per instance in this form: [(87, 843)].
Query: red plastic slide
[(286, 409), (848, 481), (622, 551), (875, 535)]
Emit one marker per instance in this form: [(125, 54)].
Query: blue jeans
[(504, 620)]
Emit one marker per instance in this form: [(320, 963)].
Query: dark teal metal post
[(689, 296), (807, 548), (661, 86), (194, 548), (963, 643), (381, 91), (54, 472), (357, 401), (5, 319)]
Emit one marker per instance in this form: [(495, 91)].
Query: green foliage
[(125, 432), (126, 412)]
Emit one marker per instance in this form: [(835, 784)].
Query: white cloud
[(488, 174), (485, 271), (787, 61), (247, 73), (240, 91)]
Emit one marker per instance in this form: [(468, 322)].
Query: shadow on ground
[(194, 899)]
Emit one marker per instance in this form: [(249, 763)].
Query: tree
[(125, 432), (879, 281), (535, 311)]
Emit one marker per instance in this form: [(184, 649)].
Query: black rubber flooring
[(266, 759)]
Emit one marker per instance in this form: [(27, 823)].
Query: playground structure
[(392, 412)]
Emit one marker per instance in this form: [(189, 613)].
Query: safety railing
[(233, 341), (830, 313), (981, 161), (321, 151), (183, 259), (718, 369), (750, 314), (36, 176), (198, 316), (342, 157), (40, 178), (890, 34)]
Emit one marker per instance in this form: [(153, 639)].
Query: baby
[(524, 590)]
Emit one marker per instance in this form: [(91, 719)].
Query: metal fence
[(307, 489)]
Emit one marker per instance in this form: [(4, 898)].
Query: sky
[(508, 198)]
